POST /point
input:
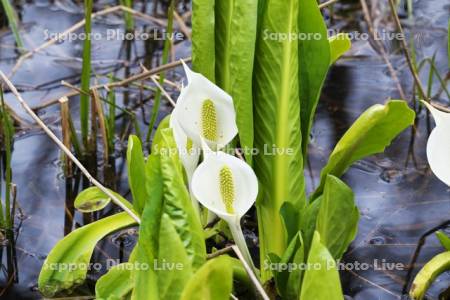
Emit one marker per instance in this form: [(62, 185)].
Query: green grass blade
[(86, 74), (12, 21)]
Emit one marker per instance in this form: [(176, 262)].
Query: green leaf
[(156, 143), (177, 202), (430, 271), (371, 133), (75, 251), (314, 58), (93, 199), (203, 45), (308, 221), (173, 255), (337, 231), (213, 281), (136, 173), (235, 48), (339, 44), (443, 239), (116, 284), (287, 277), (321, 280), (277, 124), (147, 248)]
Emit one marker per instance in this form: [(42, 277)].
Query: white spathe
[(438, 146), (188, 110), (206, 188), (189, 154)]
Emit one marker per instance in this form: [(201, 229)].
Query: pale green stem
[(239, 239)]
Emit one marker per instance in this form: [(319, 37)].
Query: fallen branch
[(250, 273), (66, 150), (111, 85), (79, 25), (404, 47)]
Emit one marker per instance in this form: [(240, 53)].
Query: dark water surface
[(399, 198)]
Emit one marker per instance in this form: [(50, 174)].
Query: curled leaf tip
[(209, 120), (227, 188)]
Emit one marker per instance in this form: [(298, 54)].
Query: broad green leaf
[(371, 133), (236, 23), (314, 61), (213, 281), (147, 248), (337, 231), (165, 123), (339, 44), (177, 202), (203, 45), (136, 173), (173, 267), (426, 276), (321, 280), (93, 199), (116, 284), (308, 221), (287, 277), (443, 239), (277, 124), (291, 217), (75, 251)]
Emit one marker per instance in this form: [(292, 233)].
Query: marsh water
[(399, 198)]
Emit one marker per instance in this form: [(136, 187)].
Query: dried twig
[(325, 4), (67, 151), (79, 25), (250, 273), (115, 84), (163, 91), (381, 48), (404, 47)]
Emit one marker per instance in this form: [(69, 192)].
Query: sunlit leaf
[(321, 280), (430, 271), (147, 248), (339, 44), (136, 172), (116, 284), (173, 266), (443, 239), (337, 231), (371, 133), (213, 281), (93, 199), (177, 202), (75, 251)]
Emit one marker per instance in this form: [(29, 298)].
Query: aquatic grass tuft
[(12, 21)]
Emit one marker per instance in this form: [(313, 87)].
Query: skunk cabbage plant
[(255, 89)]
